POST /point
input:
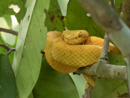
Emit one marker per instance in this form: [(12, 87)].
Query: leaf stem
[(9, 31), (9, 50)]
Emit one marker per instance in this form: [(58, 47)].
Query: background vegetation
[(25, 73)]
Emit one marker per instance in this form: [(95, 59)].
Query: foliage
[(7, 79), (33, 75), (75, 13), (5, 10), (54, 18), (31, 41), (115, 87), (54, 82)]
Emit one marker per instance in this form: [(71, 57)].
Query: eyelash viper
[(70, 50)]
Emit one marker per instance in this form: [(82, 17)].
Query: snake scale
[(72, 49)]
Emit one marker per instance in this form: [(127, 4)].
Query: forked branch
[(9, 50), (106, 17)]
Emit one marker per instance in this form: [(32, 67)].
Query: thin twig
[(9, 50), (5, 46), (9, 31)]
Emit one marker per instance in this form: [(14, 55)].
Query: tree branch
[(105, 48), (105, 16), (9, 50), (105, 71), (9, 31)]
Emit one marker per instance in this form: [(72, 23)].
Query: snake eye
[(80, 34), (62, 35)]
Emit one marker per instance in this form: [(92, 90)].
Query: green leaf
[(31, 95), (54, 18), (52, 84), (21, 13), (108, 88), (4, 7), (116, 59), (5, 10), (7, 78), (77, 19), (31, 41)]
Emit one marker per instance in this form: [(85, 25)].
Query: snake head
[(75, 36)]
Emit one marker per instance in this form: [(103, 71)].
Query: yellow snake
[(70, 50)]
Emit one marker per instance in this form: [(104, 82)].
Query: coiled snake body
[(70, 50)]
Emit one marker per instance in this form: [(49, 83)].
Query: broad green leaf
[(4, 7), (31, 95), (54, 18), (21, 13), (5, 10), (52, 84), (7, 78), (77, 19), (110, 88), (116, 59), (31, 41)]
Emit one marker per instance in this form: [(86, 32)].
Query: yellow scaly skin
[(73, 49), (51, 36)]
